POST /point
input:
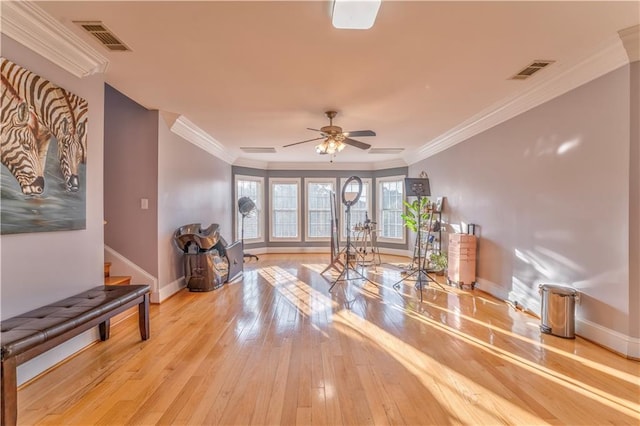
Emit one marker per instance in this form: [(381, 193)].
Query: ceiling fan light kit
[(335, 140), (330, 146)]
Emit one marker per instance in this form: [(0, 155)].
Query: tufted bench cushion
[(28, 335)]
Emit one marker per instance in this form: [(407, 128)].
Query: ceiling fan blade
[(356, 143), (308, 140), (315, 130), (360, 133)]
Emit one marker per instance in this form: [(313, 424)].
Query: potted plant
[(439, 262)]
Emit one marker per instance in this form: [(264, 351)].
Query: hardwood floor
[(277, 348)]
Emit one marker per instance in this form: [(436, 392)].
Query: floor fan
[(246, 207)]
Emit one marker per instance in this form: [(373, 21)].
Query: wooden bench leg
[(143, 317), (105, 329), (9, 392)]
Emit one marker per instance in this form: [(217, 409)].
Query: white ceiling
[(257, 74)]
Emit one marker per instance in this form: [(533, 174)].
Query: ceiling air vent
[(258, 150), (531, 69), (385, 150), (104, 35)]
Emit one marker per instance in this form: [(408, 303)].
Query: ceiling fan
[(334, 138)]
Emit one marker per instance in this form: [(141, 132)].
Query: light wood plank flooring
[(277, 348)]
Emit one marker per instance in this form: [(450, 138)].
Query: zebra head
[(20, 148), (71, 153), (73, 138)]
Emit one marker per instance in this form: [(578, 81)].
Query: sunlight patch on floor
[(622, 405), (511, 335), (301, 295), (423, 367)]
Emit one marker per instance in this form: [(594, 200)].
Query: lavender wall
[(550, 191), (41, 268), (130, 174), (193, 187)]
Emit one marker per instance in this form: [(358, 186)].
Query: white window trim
[(379, 182), (272, 182), (341, 207), (261, 234), (307, 182)]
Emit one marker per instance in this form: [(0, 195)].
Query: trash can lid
[(559, 289)]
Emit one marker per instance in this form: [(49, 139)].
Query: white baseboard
[(618, 342), (611, 339), (269, 250), (493, 289), (124, 266), (322, 250), (51, 358), (170, 289), (395, 252)]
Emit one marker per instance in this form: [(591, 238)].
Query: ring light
[(347, 196)]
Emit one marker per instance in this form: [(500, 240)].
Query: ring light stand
[(349, 199), (418, 187)]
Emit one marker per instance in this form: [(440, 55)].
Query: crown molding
[(631, 41), (32, 27), (255, 164), (389, 164), (324, 165), (252, 164), (607, 57), (184, 128), (169, 118)]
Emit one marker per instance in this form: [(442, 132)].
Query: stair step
[(117, 280), (107, 267)]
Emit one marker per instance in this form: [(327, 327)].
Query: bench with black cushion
[(26, 336)]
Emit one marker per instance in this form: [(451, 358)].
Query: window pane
[(253, 190), (391, 209), (319, 213), (285, 210)]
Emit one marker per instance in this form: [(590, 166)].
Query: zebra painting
[(21, 152), (44, 154), (59, 111)]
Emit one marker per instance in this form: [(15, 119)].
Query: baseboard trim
[(170, 289), (126, 267), (321, 250), (621, 343), (36, 367), (492, 288), (615, 341)]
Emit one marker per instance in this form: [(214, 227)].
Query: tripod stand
[(418, 187), (349, 199), (348, 257)]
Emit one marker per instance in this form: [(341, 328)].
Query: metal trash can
[(558, 310)]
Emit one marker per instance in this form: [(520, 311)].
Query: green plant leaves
[(413, 210)]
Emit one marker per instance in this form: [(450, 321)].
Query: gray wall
[(130, 174), (634, 203), (41, 268), (550, 191), (336, 174), (193, 187)]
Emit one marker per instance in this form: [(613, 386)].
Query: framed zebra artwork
[(44, 154)]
